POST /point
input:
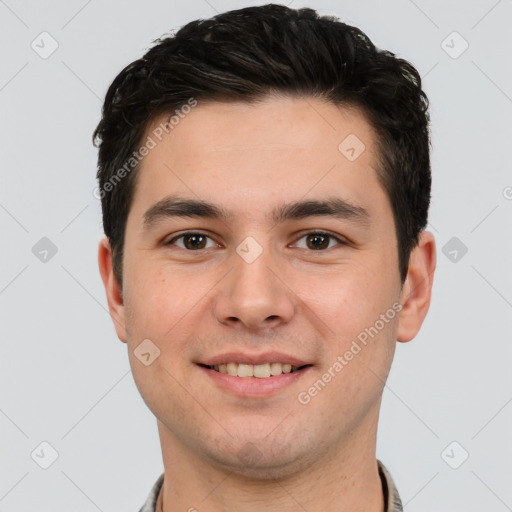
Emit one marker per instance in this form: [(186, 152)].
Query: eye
[(192, 241), (318, 241)]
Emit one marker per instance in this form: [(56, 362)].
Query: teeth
[(245, 370), (232, 369), (260, 371), (276, 368)]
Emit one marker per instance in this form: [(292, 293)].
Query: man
[(265, 184)]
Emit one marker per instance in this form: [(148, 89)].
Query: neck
[(343, 480)]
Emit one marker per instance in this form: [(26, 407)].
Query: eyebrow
[(183, 207), (331, 207)]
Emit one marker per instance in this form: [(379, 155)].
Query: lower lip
[(252, 387)]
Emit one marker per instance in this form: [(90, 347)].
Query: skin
[(194, 304)]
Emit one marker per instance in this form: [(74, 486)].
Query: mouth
[(250, 375), (258, 371)]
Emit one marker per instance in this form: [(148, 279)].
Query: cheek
[(160, 309), (154, 302), (346, 297), (168, 307), (356, 305)]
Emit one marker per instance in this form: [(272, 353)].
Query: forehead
[(272, 123), (250, 154)]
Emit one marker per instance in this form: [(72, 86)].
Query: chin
[(262, 459)]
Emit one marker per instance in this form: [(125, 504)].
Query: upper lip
[(254, 359)]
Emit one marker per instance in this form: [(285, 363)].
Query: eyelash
[(339, 240)]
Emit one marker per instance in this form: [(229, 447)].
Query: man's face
[(256, 287)]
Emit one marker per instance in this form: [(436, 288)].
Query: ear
[(417, 289), (112, 288)]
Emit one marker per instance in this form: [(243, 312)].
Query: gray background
[(65, 378)]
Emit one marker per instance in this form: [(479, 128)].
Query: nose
[(253, 295)]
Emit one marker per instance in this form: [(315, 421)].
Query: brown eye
[(317, 241), (194, 241)]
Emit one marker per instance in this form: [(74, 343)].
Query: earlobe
[(417, 289), (112, 288)]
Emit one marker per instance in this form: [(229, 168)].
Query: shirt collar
[(391, 497), (150, 504)]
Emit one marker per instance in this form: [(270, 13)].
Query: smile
[(259, 371), (261, 380)]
